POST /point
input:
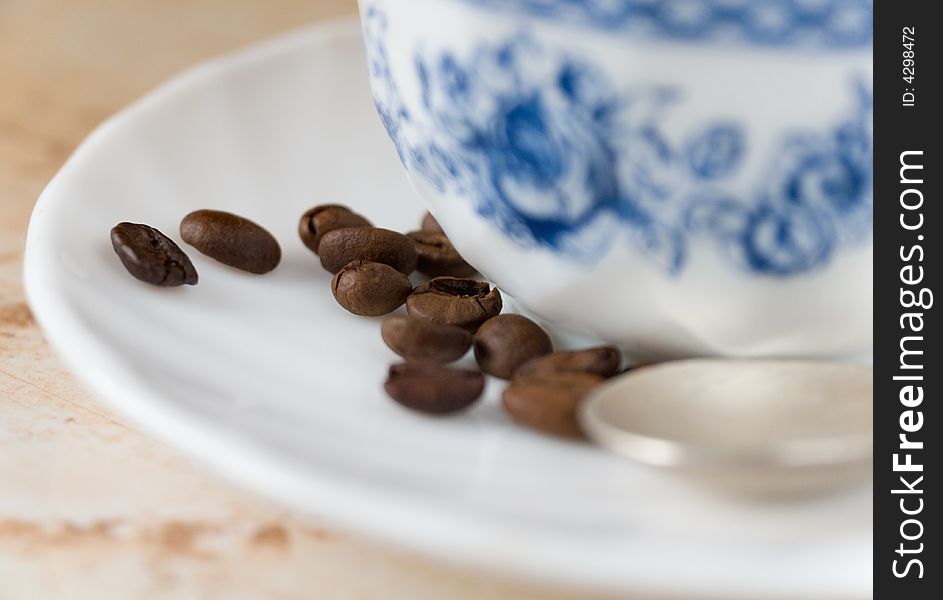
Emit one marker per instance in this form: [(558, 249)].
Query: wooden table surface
[(90, 507)]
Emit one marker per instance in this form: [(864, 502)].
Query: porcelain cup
[(679, 177)]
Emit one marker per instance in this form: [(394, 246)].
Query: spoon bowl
[(762, 427)]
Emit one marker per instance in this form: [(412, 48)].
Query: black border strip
[(906, 272)]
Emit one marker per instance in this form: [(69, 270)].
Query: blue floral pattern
[(818, 23), (554, 156)]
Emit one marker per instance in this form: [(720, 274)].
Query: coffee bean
[(466, 303), (433, 389), (505, 342), (436, 256), (151, 256), (602, 360), (550, 403), (327, 217), (425, 340), (370, 289), (232, 240), (430, 224), (341, 246)]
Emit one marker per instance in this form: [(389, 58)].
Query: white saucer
[(269, 382)]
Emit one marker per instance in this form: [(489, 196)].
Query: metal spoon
[(768, 427)]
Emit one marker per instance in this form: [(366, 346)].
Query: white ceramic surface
[(682, 178), (266, 380)]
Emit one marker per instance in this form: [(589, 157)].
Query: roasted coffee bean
[(432, 388), (151, 256), (232, 240), (341, 246), (370, 289), (414, 339), (505, 342), (466, 303), (430, 224), (436, 256), (602, 360), (327, 217), (550, 403)]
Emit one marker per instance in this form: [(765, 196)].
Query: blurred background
[(89, 508)]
